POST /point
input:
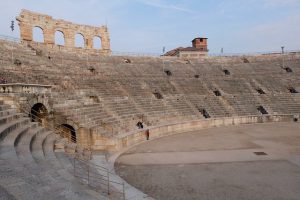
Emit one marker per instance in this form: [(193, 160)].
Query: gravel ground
[(275, 176)]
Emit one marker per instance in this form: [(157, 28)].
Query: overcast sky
[(148, 25)]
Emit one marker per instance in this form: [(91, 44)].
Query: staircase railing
[(55, 128), (94, 175), (97, 176)]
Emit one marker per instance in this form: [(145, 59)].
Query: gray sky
[(148, 25)]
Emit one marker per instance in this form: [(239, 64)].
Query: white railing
[(24, 88)]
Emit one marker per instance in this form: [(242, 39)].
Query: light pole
[(164, 49), (282, 52)]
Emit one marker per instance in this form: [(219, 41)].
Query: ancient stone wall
[(29, 20)]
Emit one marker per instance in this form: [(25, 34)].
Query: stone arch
[(67, 131), (28, 19), (38, 113), (60, 38), (97, 42), (79, 40), (38, 34)]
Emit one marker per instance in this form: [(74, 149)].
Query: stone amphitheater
[(68, 125)]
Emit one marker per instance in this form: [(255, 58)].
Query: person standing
[(147, 134)]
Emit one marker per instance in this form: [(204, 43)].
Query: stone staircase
[(30, 167)]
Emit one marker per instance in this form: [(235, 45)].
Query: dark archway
[(38, 112), (68, 131), (38, 34)]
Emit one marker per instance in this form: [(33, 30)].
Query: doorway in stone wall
[(38, 113), (68, 131)]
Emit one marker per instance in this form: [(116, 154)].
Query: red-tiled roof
[(174, 52)]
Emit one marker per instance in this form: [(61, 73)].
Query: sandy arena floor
[(218, 164)]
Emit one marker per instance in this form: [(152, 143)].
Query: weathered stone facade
[(29, 20)]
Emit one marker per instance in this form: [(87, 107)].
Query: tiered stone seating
[(29, 167), (115, 92), (109, 95), (283, 103), (233, 86), (244, 105), (214, 105)]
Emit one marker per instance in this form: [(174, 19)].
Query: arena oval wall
[(104, 97)]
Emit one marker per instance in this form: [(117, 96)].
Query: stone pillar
[(105, 42), (89, 42), (26, 31), (83, 136), (49, 36), (69, 38)]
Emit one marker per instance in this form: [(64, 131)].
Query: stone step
[(7, 112), (5, 129), (8, 144), (48, 149), (4, 107), (37, 146), (10, 117), (23, 146)]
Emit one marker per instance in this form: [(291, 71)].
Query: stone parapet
[(24, 88), (126, 140)]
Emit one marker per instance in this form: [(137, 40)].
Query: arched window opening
[(79, 40), (67, 131), (97, 42), (38, 113), (38, 34), (59, 38)]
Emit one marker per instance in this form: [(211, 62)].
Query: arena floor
[(218, 164)]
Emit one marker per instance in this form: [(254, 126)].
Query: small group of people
[(141, 126), (3, 80)]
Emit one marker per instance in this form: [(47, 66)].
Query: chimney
[(200, 43)]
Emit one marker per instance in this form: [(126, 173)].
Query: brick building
[(198, 49)]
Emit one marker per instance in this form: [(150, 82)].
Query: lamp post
[(282, 52)]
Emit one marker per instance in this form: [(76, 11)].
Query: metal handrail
[(91, 176), (55, 129)]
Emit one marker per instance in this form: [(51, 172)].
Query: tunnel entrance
[(262, 110), (38, 113), (68, 131)]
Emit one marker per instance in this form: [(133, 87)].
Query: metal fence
[(97, 177)]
